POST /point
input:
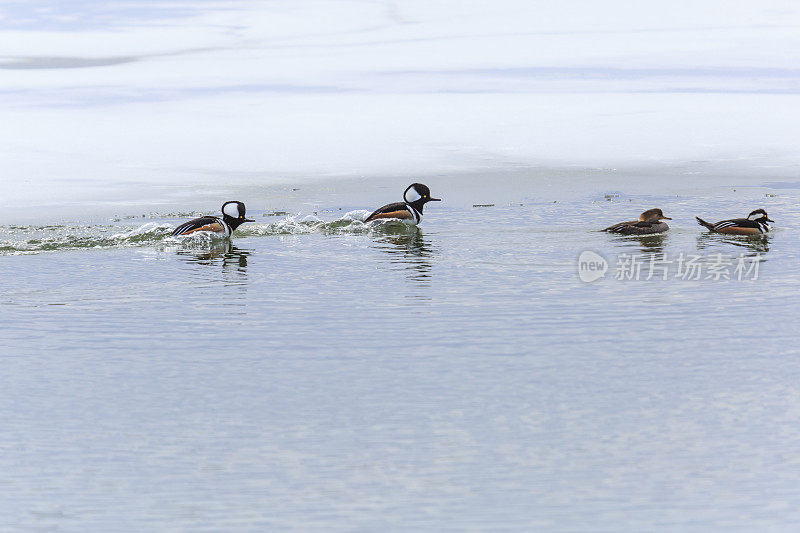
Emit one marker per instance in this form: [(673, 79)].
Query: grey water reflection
[(651, 243), (752, 244), (224, 253), (410, 250), (646, 244), (221, 272)]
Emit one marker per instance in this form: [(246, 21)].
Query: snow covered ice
[(143, 103)]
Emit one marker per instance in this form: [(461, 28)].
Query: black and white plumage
[(649, 222), (756, 223), (410, 210), (233, 216)]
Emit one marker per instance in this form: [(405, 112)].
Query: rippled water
[(320, 372)]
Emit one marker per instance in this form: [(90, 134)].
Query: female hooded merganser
[(756, 223), (232, 218), (649, 222), (409, 211)]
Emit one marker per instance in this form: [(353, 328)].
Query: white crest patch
[(756, 216), (411, 195), (231, 209)]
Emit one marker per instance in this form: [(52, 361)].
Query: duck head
[(653, 215), (233, 214), (418, 195), (759, 215)]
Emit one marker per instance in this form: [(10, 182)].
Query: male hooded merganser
[(756, 223), (409, 211), (649, 222), (232, 218)]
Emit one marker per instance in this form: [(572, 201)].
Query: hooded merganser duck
[(649, 222), (756, 223), (232, 218), (408, 211)]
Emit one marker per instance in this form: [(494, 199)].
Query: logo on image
[(591, 266)]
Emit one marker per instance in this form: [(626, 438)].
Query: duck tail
[(704, 223)]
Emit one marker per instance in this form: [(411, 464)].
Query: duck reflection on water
[(752, 244), (646, 244), (409, 248), (222, 252)]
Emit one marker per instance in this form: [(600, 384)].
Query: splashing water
[(17, 240)]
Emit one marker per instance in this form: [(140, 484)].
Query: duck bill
[(770, 220), (248, 220), (665, 218), (434, 199)]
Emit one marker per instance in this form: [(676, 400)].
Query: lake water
[(319, 373)]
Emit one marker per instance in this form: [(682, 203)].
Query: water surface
[(316, 372)]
